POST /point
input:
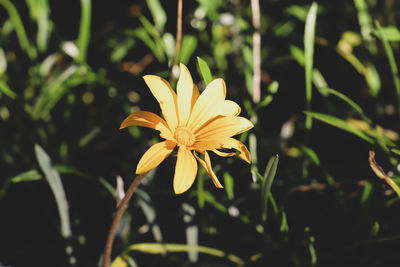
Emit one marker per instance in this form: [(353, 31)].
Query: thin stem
[(178, 36), (255, 8), (120, 211), (381, 173)]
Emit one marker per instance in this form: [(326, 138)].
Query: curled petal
[(184, 90), (229, 108), (239, 146), (154, 156), (222, 128), (208, 103), (166, 97), (185, 170), (206, 163), (150, 120), (223, 154)]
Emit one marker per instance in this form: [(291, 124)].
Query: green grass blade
[(366, 25), (6, 90), (309, 37), (28, 176), (392, 62), (350, 102), (43, 25), (145, 203), (158, 14), (84, 29), (53, 178), (19, 28), (189, 44), (341, 124), (268, 178), (156, 248), (204, 70)]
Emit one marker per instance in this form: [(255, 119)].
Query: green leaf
[(19, 28), (28, 176), (309, 37), (204, 71), (53, 178), (189, 44), (158, 14), (310, 153), (341, 124), (6, 90), (229, 185), (388, 33), (269, 176), (156, 248)]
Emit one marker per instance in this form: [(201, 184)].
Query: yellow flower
[(194, 122)]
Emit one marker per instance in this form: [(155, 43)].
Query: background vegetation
[(70, 72)]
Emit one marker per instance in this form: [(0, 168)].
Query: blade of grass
[(392, 62), (365, 21), (84, 29), (53, 178), (19, 28), (6, 90), (309, 37), (268, 178), (156, 248), (204, 70), (158, 14), (341, 124)]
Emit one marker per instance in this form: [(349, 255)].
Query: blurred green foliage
[(70, 72)]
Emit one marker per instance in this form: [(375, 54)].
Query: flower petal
[(208, 103), (206, 163), (222, 128), (185, 170), (236, 144), (229, 108), (184, 94), (166, 97), (195, 95), (154, 156), (148, 119)]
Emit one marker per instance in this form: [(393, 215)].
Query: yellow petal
[(154, 156), (184, 94), (206, 163), (208, 104), (229, 108), (195, 95), (185, 171), (236, 144), (148, 119), (222, 128), (166, 97), (223, 154)]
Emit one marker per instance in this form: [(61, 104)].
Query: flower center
[(184, 136)]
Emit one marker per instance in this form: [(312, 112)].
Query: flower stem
[(178, 37), (255, 8), (118, 215)]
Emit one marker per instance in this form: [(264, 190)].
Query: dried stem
[(255, 9), (381, 173), (120, 211), (178, 37)]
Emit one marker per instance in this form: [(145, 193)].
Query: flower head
[(193, 122)]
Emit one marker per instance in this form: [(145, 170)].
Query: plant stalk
[(118, 215)]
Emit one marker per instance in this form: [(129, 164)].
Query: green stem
[(84, 29)]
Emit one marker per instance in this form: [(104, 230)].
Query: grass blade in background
[(204, 70), (392, 62), (192, 230), (39, 12), (6, 90), (84, 29), (341, 124), (269, 177), (158, 14), (19, 28), (365, 21), (309, 37), (53, 178), (155, 248), (189, 44)]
